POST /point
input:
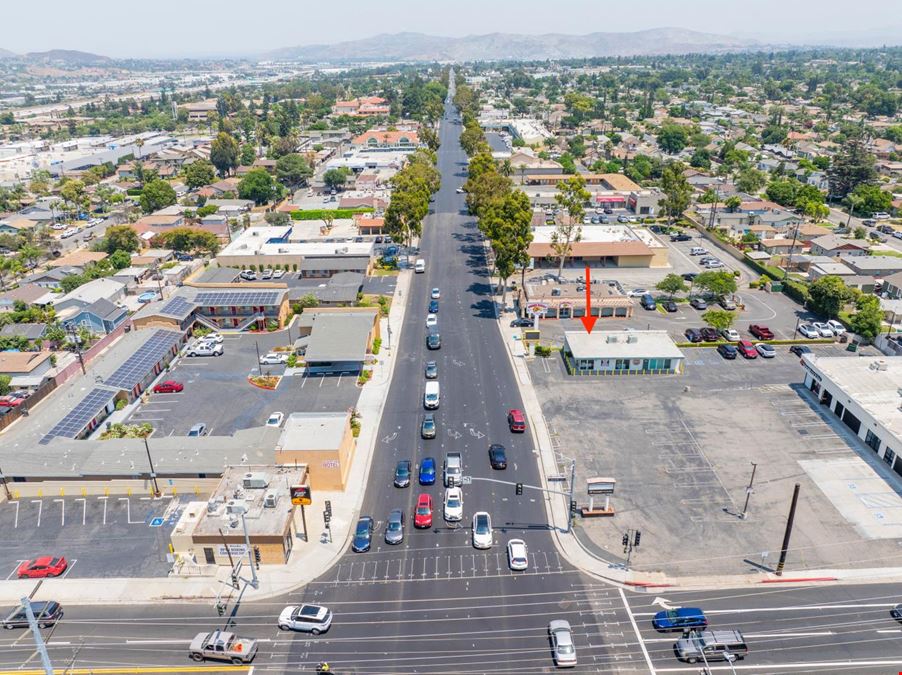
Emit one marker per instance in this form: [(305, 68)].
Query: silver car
[(394, 528), (562, 643)]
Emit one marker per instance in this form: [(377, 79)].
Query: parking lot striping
[(15, 569), (40, 503), (84, 511), (128, 511), (69, 568), (62, 511), (16, 525)]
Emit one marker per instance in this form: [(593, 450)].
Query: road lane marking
[(777, 667), (745, 610), (763, 635), (122, 670), (629, 612)]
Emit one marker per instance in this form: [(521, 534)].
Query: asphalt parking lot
[(218, 394), (681, 448), (112, 536)]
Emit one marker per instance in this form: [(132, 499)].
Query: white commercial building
[(865, 394), (621, 352)]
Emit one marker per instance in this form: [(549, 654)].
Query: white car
[(823, 329), (273, 359), (482, 530), (454, 504), (431, 320), (436, 294), (713, 264), (517, 555), (638, 292), (214, 338), (59, 226), (880, 215), (307, 618), (278, 274), (459, 190), (731, 334), (765, 351), (836, 327), (267, 273), (275, 419), (562, 642), (809, 331)]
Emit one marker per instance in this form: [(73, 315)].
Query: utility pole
[(153, 474), (5, 486), (748, 490), (792, 514), (570, 510), (38, 639), (250, 553), (71, 330), (792, 248)]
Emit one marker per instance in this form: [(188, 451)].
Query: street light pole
[(153, 474), (748, 490), (5, 486)]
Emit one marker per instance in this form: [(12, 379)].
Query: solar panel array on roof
[(237, 299), (139, 364), (77, 419), (177, 307)]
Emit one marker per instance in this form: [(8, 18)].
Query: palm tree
[(139, 143)]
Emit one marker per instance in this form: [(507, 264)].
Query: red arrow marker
[(588, 320)]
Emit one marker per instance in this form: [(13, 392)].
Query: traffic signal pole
[(519, 487)]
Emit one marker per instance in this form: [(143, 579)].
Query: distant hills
[(510, 46), (68, 56)]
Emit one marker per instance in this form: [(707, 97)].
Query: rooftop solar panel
[(177, 307), (237, 299), (78, 418), (139, 364)]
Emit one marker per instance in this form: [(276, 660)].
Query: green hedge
[(766, 270), (337, 214), (796, 290)]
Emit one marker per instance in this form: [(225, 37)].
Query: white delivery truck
[(419, 266)]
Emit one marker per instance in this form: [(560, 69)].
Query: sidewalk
[(572, 549), (309, 559)]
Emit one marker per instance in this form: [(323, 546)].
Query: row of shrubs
[(337, 214)]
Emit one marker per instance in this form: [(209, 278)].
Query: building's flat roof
[(339, 338), (875, 390), (622, 344), (313, 431)]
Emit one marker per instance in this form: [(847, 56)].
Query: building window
[(889, 456), (666, 364), (851, 421), (873, 441), (839, 410), (586, 364), (622, 364)]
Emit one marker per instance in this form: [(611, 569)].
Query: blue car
[(363, 535), (427, 471), (679, 619), (433, 307)]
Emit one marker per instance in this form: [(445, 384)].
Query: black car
[(709, 334), (363, 535), (521, 323), (669, 305), (608, 210), (896, 612), (46, 613), (680, 237), (799, 350), (497, 456), (693, 335), (433, 306), (727, 351), (690, 276), (402, 473), (184, 257), (433, 341)]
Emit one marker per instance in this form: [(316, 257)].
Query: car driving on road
[(454, 504), (363, 535), (427, 471), (431, 370), (482, 530), (427, 428), (422, 516), (562, 644), (402, 473), (220, 645), (394, 527), (497, 456), (46, 614), (517, 555), (306, 618)]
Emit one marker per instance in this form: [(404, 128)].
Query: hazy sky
[(199, 27)]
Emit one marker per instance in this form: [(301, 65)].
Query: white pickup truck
[(222, 646)]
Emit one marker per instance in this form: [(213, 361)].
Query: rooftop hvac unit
[(235, 508), (632, 339), (269, 500), (255, 481), (879, 365), (213, 505), (611, 339)]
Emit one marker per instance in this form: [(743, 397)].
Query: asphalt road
[(435, 604)]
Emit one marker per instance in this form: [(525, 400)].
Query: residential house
[(832, 268), (88, 294), (892, 286), (874, 265), (384, 140), (78, 258), (837, 247), (780, 219), (27, 370), (30, 294), (51, 278), (101, 317), (15, 223), (33, 332)]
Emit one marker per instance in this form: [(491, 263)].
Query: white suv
[(307, 618)]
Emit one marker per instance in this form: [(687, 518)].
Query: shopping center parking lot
[(681, 447), (218, 394), (114, 536)]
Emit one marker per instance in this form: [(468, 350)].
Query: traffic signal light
[(220, 608), (626, 540), (637, 539), (257, 556), (572, 507), (519, 488)]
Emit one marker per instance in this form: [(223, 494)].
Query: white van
[(420, 266), (431, 395)]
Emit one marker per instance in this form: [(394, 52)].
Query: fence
[(22, 410)]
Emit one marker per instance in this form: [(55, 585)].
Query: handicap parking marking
[(156, 522)]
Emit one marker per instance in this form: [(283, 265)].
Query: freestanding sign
[(599, 486), (300, 495)]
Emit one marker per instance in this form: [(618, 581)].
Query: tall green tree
[(677, 191), (120, 238), (224, 153), (156, 195), (868, 320), (571, 197), (672, 284), (506, 223), (719, 319), (257, 185), (828, 295), (851, 167), (335, 178), (199, 174), (870, 199), (719, 284), (672, 138), (292, 170)]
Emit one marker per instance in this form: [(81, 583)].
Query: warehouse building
[(865, 395)]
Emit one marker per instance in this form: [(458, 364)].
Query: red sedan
[(422, 517), (168, 387), (39, 568), (516, 420), (747, 349)]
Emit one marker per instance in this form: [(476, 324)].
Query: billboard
[(300, 495)]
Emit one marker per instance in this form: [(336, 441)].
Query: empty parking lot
[(682, 448), (100, 536)]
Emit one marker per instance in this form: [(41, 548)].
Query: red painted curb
[(797, 580), (646, 584)]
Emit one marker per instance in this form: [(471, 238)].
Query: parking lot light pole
[(153, 474), (748, 490), (786, 535)]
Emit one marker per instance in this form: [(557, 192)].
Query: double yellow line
[(134, 669)]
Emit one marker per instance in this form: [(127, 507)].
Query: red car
[(761, 332), (39, 568), (168, 387), (11, 401), (422, 517), (747, 349), (516, 421)]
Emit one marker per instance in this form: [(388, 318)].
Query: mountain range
[(516, 47), (69, 56)]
